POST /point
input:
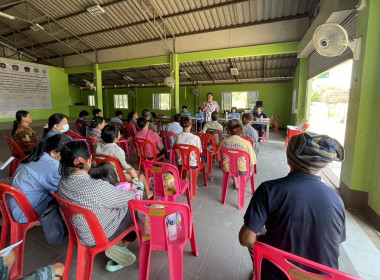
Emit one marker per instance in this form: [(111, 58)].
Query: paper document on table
[(7, 250), (3, 165)]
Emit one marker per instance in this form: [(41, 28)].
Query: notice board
[(24, 86)]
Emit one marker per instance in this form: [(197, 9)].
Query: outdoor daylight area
[(329, 104)]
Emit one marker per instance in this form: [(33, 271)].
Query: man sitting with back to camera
[(301, 214)]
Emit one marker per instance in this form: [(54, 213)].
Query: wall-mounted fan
[(196, 91), (169, 82), (90, 85), (331, 39)]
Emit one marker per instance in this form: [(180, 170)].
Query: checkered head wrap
[(311, 152)]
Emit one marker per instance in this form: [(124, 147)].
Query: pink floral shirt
[(211, 108)]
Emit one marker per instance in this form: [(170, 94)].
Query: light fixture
[(36, 27), (128, 78), (6, 15), (184, 74), (95, 10), (234, 71)]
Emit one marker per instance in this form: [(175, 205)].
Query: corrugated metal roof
[(123, 23)]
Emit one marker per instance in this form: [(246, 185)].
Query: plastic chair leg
[(255, 169), (175, 254), (189, 199), (18, 234), (209, 163), (84, 264), (204, 175), (252, 179), (172, 157), (242, 183), (226, 180), (192, 241), (144, 261), (69, 258), (193, 182)]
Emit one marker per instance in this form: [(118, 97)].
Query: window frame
[(91, 100), (124, 97)]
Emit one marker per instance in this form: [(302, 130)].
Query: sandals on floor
[(113, 266), (121, 255)]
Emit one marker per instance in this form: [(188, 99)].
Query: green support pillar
[(98, 84), (174, 72)]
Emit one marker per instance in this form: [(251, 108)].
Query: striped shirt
[(109, 204)]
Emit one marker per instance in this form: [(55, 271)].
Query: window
[(161, 101), (91, 100), (295, 101), (120, 101), (239, 99)]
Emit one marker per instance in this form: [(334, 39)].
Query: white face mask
[(65, 128)]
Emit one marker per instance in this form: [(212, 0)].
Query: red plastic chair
[(98, 158), (167, 136), (283, 261), (253, 145), (123, 143), (158, 169), (73, 135), (131, 132), (184, 152), (141, 146), (206, 141), (17, 153), (215, 133), (274, 120), (85, 259), (294, 130), (18, 231), (233, 156), (79, 129), (91, 143), (159, 239)]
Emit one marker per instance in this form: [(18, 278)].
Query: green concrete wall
[(360, 170), (60, 98), (273, 95)]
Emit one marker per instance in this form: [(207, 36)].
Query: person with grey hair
[(299, 212)]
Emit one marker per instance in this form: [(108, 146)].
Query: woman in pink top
[(150, 135)]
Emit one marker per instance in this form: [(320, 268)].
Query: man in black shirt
[(300, 213)]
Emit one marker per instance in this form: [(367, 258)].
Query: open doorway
[(329, 104)]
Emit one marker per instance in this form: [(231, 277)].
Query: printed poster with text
[(24, 86)]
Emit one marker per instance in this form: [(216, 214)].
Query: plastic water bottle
[(172, 226)]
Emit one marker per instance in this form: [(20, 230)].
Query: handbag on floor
[(53, 225)]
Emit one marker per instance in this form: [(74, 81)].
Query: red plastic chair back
[(157, 169), (73, 135), (17, 153), (184, 151), (99, 158), (233, 156), (142, 146), (130, 129), (85, 254), (79, 129), (123, 131), (282, 260), (253, 146), (208, 140), (159, 239), (215, 133), (167, 135), (91, 143), (18, 231)]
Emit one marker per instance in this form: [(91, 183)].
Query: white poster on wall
[(24, 86)]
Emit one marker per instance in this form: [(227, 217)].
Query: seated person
[(185, 111), (260, 116), (37, 176), (186, 137), (234, 114), (249, 131), (152, 136), (50, 272), (117, 118), (200, 115), (213, 125), (175, 127), (97, 124), (146, 114), (97, 113), (82, 120), (109, 204), (132, 118), (235, 129), (57, 124), (301, 214), (23, 135)]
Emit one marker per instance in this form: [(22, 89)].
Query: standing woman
[(23, 135), (37, 176), (57, 124)]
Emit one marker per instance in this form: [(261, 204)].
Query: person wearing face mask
[(23, 135), (57, 124), (37, 176)]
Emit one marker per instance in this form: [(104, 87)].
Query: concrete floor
[(216, 230)]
